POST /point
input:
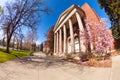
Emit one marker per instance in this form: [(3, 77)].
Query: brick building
[(70, 26)]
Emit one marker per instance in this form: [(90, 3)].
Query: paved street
[(41, 67)]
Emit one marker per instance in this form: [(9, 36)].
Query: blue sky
[(57, 7)]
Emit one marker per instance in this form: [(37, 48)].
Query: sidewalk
[(40, 67), (115, 72)]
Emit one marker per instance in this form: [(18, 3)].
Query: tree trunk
[(7, 47), (13, 42), (8, 43), (21, 45), (17, 44)]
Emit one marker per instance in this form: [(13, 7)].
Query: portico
[(69, 31)]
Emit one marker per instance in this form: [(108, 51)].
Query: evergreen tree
[(112, 8)]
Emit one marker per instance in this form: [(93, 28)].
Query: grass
[(14, 54)]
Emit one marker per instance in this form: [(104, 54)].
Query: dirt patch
[(93, 63), (116, 53), (101, 63)]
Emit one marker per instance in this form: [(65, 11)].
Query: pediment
[(66, 13)]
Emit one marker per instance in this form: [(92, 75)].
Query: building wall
[(90, 13), (46, 47)]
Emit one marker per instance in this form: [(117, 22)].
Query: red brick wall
[(90, 13)]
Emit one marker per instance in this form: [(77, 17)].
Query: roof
[(65, 13)]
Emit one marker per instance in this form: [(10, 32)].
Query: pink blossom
[(99, 35)]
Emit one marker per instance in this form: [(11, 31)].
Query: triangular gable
[(64, 14)]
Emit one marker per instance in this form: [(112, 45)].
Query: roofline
[(76, 6), (62, 15)]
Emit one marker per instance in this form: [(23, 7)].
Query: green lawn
[(14, 54)]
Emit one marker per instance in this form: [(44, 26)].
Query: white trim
[(60, 40), (65, 38), (55, 43), (66, 19), (62, 14), (81, 28), (57, 50), (71, 36)]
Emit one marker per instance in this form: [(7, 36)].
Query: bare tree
[(19, 37), (31, 40), (21, 13)]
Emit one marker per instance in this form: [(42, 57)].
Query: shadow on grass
[(3, 50), (12, 55)]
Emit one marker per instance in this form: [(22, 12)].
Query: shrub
[(68, 56), (97, 59), (45, 53), (31, 53), (84, 56)]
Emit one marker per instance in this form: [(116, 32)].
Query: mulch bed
[(93, 63)]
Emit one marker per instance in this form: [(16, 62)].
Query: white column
[(60, 40), (57, 42), (91, 46), (65, 36), (54, 43), (71, 36), (81, 29)]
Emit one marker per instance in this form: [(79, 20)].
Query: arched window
[(76, 39)]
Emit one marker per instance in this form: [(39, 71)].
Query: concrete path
[(41, 67), (115, 71)]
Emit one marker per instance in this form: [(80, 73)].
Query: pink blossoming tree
[(98, 36)]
